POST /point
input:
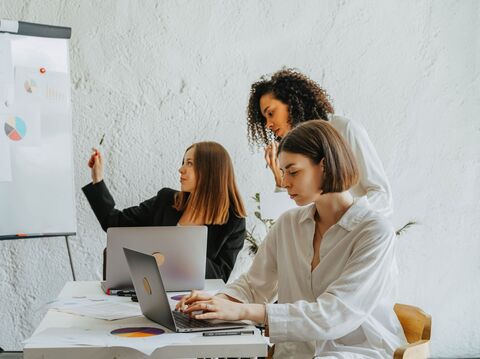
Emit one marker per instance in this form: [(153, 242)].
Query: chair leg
[(417, 350)]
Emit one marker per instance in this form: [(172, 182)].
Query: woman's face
[(301, 177), (276, 115), (187, 172)]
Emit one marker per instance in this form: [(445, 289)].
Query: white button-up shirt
[(373, 181), (345, 305)]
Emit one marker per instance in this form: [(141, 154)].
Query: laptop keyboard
[(183, 320)]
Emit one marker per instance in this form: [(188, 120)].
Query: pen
[(126, 293), (96, 151), (217, 334), (120, 292)]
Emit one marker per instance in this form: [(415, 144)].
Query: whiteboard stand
[(39, 235), (70, 258)]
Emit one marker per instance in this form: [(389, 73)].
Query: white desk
[(199, 346)]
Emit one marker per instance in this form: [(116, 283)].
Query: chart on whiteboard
[(37, 190)]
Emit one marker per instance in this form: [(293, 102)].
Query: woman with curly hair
[(279, 103)]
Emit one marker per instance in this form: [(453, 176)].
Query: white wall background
[(159, 75)]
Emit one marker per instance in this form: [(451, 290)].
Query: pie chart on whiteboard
[(15, 128)]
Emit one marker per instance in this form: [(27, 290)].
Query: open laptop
[(153, 298), (180, 251)]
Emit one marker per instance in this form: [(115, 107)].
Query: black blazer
[(223, 242)]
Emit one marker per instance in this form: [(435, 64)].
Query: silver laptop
[(180, 252), (153, 298)]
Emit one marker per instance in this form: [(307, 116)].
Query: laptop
[(180, 252), (153, 299)]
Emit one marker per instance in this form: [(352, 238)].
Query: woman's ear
[(322, 165), (321, 169)]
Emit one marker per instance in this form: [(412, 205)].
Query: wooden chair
[(417, 326)]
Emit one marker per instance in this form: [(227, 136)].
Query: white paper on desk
[(106, 308), (150, 344), (66, 337), (105, 311), (101, 337), (82, 300)]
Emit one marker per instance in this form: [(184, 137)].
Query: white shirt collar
[(353, 216)]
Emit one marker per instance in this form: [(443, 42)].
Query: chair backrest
[(415, 322)]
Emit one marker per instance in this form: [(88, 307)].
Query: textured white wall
[(159, 75)]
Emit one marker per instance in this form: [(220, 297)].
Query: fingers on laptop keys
[(200, 308), (192, 300), (181, 305)]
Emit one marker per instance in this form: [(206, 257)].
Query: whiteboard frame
[(37, 30)]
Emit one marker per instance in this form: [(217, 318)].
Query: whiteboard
[(37, 192)]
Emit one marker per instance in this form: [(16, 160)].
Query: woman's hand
[(272, 162), (220, 307), (213, 307), (96, 164)]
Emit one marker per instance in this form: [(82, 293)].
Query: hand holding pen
[(96, 164)]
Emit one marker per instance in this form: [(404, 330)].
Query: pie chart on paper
[(15, 128), (30, 86), (137, 332)]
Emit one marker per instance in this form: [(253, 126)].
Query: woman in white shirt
[(331, 263), (288, 98)]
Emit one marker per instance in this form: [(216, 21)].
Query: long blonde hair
[(215, 189)]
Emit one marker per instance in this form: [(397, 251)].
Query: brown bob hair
[(216, 191), (318, 140)]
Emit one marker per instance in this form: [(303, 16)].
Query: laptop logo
[(159, 257), (146, 285)]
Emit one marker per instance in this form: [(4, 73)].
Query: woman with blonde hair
[(208, 196)]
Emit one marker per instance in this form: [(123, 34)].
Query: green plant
[(267, 223)]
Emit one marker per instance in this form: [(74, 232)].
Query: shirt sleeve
[(222, 265), (372, 175), (103, 205), (346, 302), (260, 283)]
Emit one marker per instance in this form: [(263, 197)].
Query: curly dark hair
[(305, 99)]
